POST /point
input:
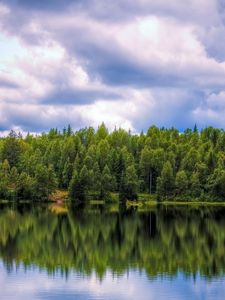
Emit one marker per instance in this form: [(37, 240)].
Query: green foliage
[(129, 184), (165, 183), (216, 183), (95, 177), (45, 181), (102, 132), (195, 186), (11, 149), (162, 161), (74, 186), (181, 183), (106, 183), (151, 162), (80, 182), (67, 173)]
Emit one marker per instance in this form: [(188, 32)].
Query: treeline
[(93, 164)]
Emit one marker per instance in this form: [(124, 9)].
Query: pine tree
[(195, 186), (95, 179), (106, 183), (11, 149), (216, 183), (129, 184), (79, 184), (181, 183), (165, 183)]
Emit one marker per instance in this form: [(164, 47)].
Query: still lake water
[(98, 253)]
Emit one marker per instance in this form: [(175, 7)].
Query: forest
[(98, 164)]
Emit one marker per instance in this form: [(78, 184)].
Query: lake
[(98, 252)]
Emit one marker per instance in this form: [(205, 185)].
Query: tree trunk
[(150, 182)]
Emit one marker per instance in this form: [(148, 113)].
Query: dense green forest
[(95, 164), (164, 241)]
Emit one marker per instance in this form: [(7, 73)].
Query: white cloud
[(120, 113), (36, 70), (4, 10), (152, 66), (152, 43), (211, 111), (216, 101)]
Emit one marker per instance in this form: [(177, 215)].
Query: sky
[(130, 64)]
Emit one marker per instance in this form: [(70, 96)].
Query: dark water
[(165, 253)]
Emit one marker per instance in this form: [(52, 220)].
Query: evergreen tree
[(33, 166), (102, 154), (102, 132), (4, 178), (181, 183), (45, 181), (150, 164), (195, 186), (106, 183), (165, 183), (216, 183), (67, 174), (79, 184), (96, 179), (129, 184), (26, 186), (11, 149), (13, 183)]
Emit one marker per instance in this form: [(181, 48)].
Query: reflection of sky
[(35, 284)]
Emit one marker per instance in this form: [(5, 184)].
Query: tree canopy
[(94, 163)]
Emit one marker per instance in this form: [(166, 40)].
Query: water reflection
[(36, 285), (183, 248), (160, 242)]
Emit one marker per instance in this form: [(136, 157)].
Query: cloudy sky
[(127, 63)]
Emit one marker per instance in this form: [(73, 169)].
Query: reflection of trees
[(159, 242)]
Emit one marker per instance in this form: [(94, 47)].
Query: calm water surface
[(165, 253)]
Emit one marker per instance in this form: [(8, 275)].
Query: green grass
[(96, 202), (193, 203)]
